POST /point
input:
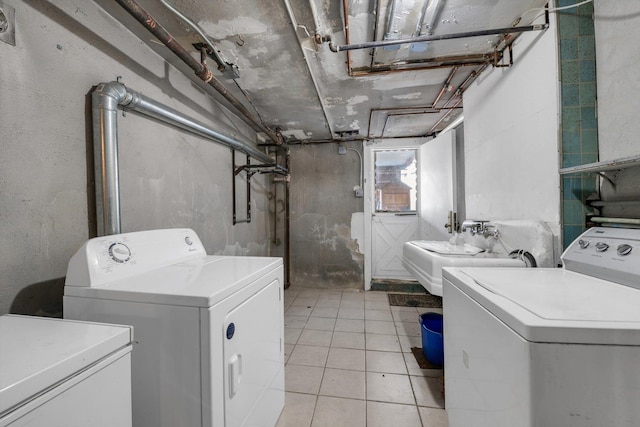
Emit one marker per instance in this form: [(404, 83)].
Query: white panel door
[(389, 232), (392, 205)]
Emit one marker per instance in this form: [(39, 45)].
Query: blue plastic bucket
[(432, 345)]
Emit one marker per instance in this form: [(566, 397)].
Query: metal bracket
[(236, 171), (227, 69), (498, 58), (7, 24)]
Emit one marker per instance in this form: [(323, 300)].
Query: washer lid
[(555, 305), (199, 282), (38, 353), (447, 248)]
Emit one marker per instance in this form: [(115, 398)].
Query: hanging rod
[(262, 169)]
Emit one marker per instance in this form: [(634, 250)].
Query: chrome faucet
[(474, 227), (491, 230), (481, 228)]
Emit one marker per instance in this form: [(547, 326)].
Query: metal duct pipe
[(201, 70), (106, 99)]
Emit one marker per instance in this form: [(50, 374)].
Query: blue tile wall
[(579, 121)]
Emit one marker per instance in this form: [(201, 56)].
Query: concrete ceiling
[(313, 94)]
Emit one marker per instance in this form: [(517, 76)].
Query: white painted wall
[(617, 26), (511, 136), (169, 178)]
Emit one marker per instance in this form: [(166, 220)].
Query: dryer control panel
[(109, 258), (607, 253)]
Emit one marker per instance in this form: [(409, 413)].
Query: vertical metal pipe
[(105, 100), (248, 198), (275, 206), (233, 186), (287, 225)]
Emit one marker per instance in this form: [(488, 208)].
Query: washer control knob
[(583, 244), (601, 247), (119, 252), (624, 249)]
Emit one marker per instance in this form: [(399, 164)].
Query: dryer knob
[(624, 249), (583, 243), (119, 252), (601, 247)]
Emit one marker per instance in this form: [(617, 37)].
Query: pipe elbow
[(110, 95), (332, 45)]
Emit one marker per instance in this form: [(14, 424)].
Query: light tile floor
[(349, 363)]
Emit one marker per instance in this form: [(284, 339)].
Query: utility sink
[(425, 260)]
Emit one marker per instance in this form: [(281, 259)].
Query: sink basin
[(425, 260)]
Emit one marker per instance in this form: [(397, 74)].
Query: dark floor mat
[(422, 360), (415, 300)]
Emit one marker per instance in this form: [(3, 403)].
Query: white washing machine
[(547, 347), (209, 329), (61, 373)]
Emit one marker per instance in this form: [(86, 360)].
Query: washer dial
[(119, 252)]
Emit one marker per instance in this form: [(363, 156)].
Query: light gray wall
[(322, 201), (169, 178), (617, 27), (617, 31)]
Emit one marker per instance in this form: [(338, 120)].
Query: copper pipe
[(201, 70), (444, 87), (347, 39)]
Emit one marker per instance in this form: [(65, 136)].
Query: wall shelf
[(597, 167)]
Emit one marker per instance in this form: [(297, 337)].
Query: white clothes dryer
[(209, 330), (63, 373), (547, 347)]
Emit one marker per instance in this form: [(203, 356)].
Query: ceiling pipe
[(392, 12), (215, 52), (383, 43), (106, 99), (445, 86), (201, 70), (457, 95), (294, 22)]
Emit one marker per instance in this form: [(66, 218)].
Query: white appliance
[(425, 259), (60, 373), (209, 329), (547, 347)]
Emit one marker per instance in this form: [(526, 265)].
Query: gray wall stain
[(322, 202)]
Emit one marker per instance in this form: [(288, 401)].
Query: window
[(396, 180)]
